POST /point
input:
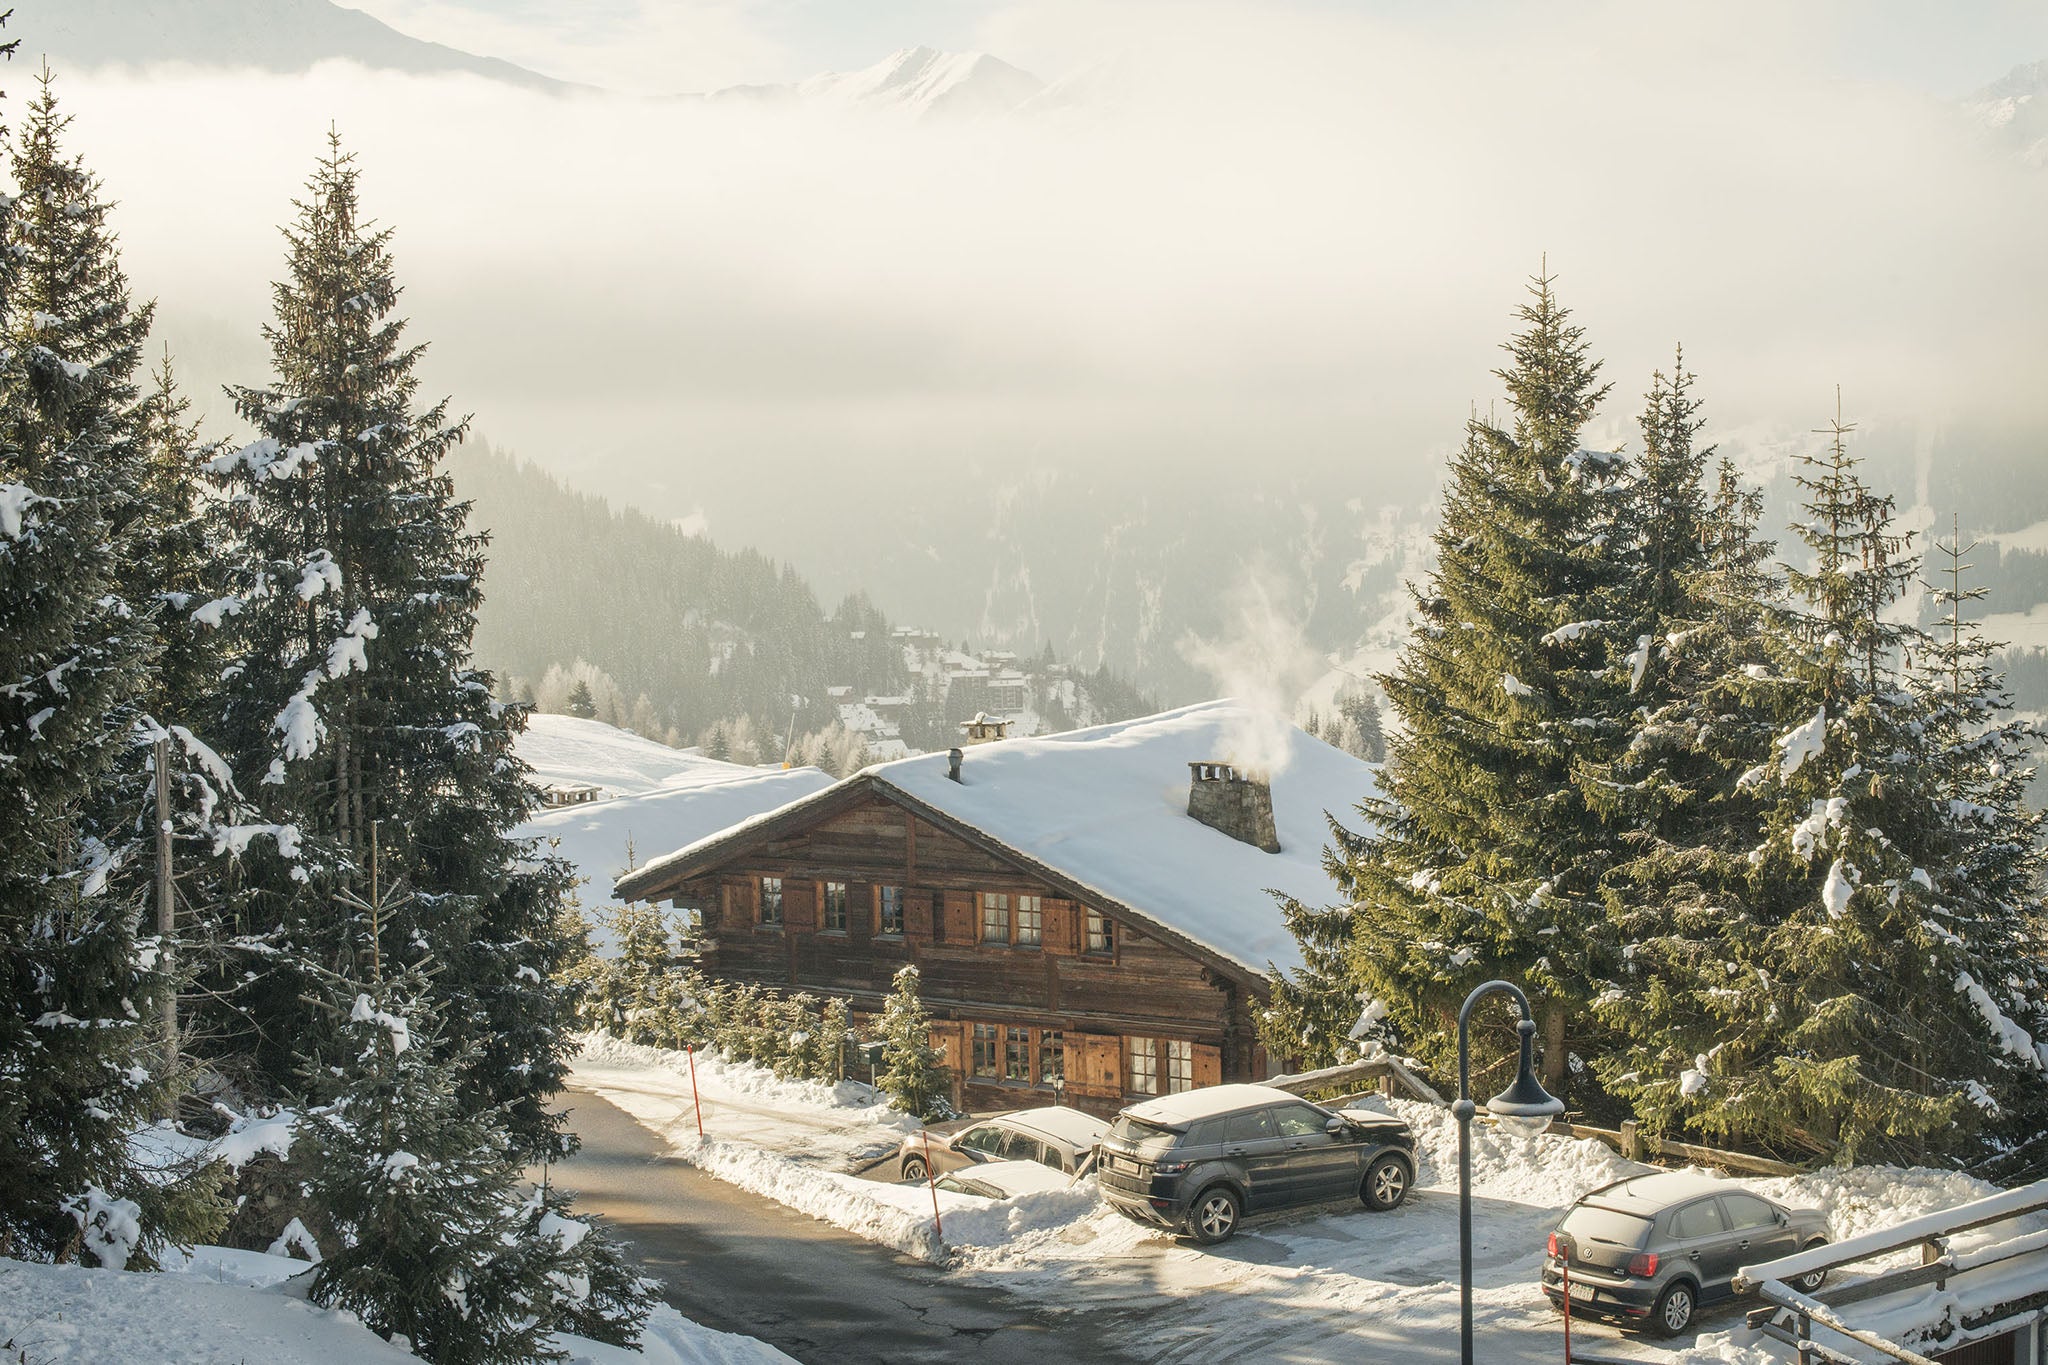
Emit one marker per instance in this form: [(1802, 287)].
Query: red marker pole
[(690, 1051), (931, 1178), (1567, 1311)]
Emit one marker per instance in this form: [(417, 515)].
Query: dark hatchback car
[(1199, 1162), (1652, 1248)]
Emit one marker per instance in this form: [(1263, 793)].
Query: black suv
[(1198, 1162)]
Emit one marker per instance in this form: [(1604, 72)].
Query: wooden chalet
[(1091, 913)]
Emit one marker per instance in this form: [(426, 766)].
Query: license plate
[(1117, 1163), (1582, 1292)]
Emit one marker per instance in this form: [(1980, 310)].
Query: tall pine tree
[(354, 714), (74, 658), (1484, 859)]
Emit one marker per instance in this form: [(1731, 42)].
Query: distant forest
[(694, 636)]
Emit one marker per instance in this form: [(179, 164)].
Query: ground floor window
[(1017, 1055), (890, 921), (1143, 1056), (771, 902), (1052, 1056), (1180, 1066), (1160, 1066), (985, 1050), (835, 907)]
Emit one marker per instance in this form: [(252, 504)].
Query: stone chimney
[(1235, 803), (983, 729)]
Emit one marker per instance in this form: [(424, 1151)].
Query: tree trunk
[(1552, 1019)]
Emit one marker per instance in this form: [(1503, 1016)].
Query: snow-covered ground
[(568, 750), (226, 1307), (1334, 1282)]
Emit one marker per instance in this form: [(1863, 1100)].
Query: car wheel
[(1214, 1215), (1673, 1313), (1385, 1185), (913, 1168), (1806, 1284)]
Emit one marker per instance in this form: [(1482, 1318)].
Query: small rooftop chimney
[(1235, 803), (953, 764), (984, 729)]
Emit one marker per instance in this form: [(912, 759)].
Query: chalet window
[(1017, 1055), (1099, 939), (1144, 1055), (985, 1050), (1052, 1056), (835, 907), (995, 917), (1180, 1066), (770, 901), (889, 915), (1030, 922)]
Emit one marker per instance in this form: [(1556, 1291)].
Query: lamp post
[(1525, 1100)]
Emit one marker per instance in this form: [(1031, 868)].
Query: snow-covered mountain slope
[(919, 82), (571, 751), (654, 799), (2013, 110), (263, 35)]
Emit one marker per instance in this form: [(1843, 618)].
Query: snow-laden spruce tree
[(437, 1239), (77, 1074), (1684, 825), (1485, 860), (353, 712), (914, 1072), (1844, 1029)]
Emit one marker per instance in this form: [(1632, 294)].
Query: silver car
[(1653, 1248), (1054, 1136)]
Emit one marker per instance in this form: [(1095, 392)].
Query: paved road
[(740, 1263)]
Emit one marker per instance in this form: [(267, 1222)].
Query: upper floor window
[(1100, 938), (1030, 922), (889, 916), (835, 907), (770, 901), (1052, 1056), (995, 917)]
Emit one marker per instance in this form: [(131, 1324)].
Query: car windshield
[(1591, 1223), (1139, 1133)]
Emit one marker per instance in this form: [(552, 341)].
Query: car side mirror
[(1335, 1125), (1783, 1218)]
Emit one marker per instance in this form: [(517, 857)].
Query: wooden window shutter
[(963, 923), (799, 904), (1059, 926), (1101, 1063), (1208, 1065), (949, 1038)]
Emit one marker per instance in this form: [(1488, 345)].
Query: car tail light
[(1553, 1247), (1171, 1167), (1643, 1265)]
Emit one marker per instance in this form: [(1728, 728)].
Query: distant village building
[(1091, 912), (557, 794)]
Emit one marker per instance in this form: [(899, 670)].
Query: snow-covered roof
[(1192, 1106), (1060, 1122), (1011, 1178), (1105, 811)]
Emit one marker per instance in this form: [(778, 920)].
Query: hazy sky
[(1291, 241), (1939, 46)]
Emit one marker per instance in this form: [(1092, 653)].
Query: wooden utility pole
[(166, 899)]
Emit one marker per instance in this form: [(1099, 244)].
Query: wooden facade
[(1027, 976)]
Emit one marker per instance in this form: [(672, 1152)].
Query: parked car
[(1005, 1179), (1653, 1248), (1200, 1161), (1054, 1136)]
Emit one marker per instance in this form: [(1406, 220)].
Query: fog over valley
[(1069, 342)]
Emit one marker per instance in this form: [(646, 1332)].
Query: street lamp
[(1525, 1106)]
